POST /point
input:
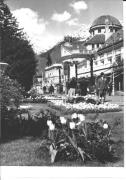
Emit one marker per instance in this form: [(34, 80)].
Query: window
[(101, 56), (85, 65), (109, 53), (92, 46), (110, 59), (102, 61), (97, 45), (96, 63), (99, 30), (118, 58)]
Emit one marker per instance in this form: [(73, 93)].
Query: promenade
[(116, 100)]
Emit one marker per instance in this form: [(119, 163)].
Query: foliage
[(19, 123), (76, 138), (16, 49), (83, 107), (119, 64), (11, 92), (70, 39), (82, 99), (49, 60)]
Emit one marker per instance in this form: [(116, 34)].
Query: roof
[(73, 60), (115, 37), (97, 39), (102, 21), (54, 66), (114, 41), (86, 55)]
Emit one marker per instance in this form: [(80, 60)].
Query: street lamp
[(113, 60)]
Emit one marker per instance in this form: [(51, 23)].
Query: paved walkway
[(116, 100)]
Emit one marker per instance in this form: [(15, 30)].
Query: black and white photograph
[(62, 83)]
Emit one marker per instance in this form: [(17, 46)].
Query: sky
[(46, 22)]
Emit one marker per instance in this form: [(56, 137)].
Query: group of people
[(102, 87), (50, 89)]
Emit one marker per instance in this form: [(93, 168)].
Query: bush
[(11, 95), (74, 139)]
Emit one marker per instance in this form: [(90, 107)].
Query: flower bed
[(38, 99), (76, 138), (84, 107)]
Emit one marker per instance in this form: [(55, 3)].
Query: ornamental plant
[(75, 138)]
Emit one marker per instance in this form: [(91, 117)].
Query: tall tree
[(16, 49), (49, 60)]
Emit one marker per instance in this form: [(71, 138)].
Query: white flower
[(81, 117), (52, 127), (63, 120), (49, 122), (72, 125), (74, 116), (78, 123), (105, 126)]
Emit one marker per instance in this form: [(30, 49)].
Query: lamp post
[(91, 57), (113, 60), (113, 82)]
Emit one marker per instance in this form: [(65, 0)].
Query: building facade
[(104, 48)]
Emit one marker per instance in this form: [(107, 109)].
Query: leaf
[(81, 153), (53, 153)]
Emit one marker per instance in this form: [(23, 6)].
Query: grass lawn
[(28, 151)]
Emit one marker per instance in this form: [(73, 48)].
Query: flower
[(52, 127), (49, 122), (74, 116), (63, 120), (72, 125), (105, 126), (81, 117), (78, 123)]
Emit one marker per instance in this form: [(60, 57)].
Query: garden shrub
[(75, 139)]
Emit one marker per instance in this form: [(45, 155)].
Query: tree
[(49, 60), (16, 49), (10, 91)]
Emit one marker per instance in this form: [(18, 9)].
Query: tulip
[(63, 120), (72, 125), (74, 116), (81, 117), (105, 126), (49, 122), (52, 127), (78, 123)]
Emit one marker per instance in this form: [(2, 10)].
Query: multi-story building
[(106, 43), (104, 47)]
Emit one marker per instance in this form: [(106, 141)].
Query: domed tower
[(105, 24), (101, 29)]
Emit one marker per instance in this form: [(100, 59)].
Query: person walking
[(78, 89), (72, 87), (101, 87), (51, 89), (44, 89)]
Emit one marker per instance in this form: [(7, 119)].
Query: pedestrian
[(110, 88), (72, 87), (44, 89), (101, 87), (51, 89), (78, 89)]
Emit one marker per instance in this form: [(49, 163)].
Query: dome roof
[(101, 21)]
